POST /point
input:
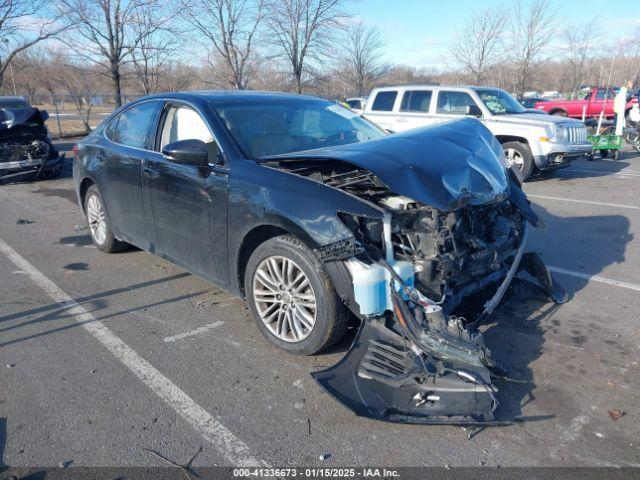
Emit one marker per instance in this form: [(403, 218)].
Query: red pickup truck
[(592, 101)]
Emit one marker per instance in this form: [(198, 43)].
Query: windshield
[(500, 102), (285, 126)]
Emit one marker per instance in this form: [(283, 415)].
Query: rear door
[(129, 141), (415, 108), (188, 204)]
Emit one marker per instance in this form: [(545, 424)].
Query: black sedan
[(318, 217)]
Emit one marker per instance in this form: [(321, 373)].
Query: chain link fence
[(75, 115)]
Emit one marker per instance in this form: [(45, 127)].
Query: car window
[(416, 101), (130, 128), (384, 101), (454, 103), (354, 103), (276, 127), (183, 123), (602, 93)]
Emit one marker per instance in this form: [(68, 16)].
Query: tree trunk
[(117, 90), (1, 77)]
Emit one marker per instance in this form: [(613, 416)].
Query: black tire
[(559, 113), (615, 154), (110, 244), (528, 164), (331, 316)]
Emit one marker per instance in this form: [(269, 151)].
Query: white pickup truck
[(530, 140)]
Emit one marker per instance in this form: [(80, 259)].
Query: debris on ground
[(11, 365), (79, 228), (447, 466), (65, 463), (309, 425), (615, 414), (185, 468), (325, 456), (611, 384), (24, 221)]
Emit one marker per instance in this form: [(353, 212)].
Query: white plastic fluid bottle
[(369, 286)]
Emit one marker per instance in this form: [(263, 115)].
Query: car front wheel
[(291, 297)]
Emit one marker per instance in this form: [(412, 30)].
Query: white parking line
[(224, 440), (197, 331), (596, 278), (604, 204)]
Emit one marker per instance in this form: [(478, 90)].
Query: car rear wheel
[(559, 113), (291, 297), (98, 222), (519, 159)]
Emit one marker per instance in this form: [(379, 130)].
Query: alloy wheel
[(284, 298), (97, 220), (514, 158)]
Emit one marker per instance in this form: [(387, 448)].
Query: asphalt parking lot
[(181, 370)]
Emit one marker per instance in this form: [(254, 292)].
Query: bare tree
[(105, 33), (23, 24), (229, 27), (362, 64), (579, 41), (77, 83), (155, 47), (531, 30), (478, 45), (302, 30)]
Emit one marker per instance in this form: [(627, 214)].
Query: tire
[(559, 113), (283, 313), (98, 222), (520, 153), (615, 154)]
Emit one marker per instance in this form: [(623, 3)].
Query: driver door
[(189, 205)]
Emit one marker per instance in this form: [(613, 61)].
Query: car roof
[(427, 85), (233, 96), (13, 101)]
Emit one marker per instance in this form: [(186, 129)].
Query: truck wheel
[(519, 159), (559, 113), (292, 298)]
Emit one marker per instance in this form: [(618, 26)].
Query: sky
[(418, 32)]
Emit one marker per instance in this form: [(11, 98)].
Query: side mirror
[(44, 115), (473, 111), (187, 152)]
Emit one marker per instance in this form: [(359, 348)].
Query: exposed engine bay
[(423, 279), (26, 152)]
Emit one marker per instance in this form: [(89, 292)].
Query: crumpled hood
[(12, 117), (446, 165)]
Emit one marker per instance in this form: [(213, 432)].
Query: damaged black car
[(26, 151), (316, 216)]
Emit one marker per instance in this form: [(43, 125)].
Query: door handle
[(150, 172)]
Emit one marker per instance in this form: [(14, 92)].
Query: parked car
[(356, 104), (310, 212), (596, 100), (529, 141), (530, 102), (26, 151)]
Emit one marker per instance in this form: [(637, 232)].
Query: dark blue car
[(318, 217)]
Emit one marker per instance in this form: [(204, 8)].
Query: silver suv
[(530, 140)]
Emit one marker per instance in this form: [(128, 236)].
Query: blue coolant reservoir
[(371, 284)]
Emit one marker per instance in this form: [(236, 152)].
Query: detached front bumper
[(560, 155)]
